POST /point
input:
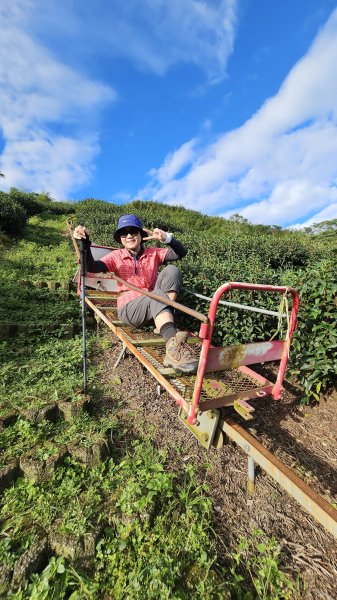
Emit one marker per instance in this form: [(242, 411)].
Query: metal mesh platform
[(152, 347), (222, 383)]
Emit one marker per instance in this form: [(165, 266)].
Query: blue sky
[(223, 106)]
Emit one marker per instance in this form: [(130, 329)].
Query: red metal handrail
[(206, 333)]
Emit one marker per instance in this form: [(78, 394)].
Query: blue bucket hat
[(128, 221)]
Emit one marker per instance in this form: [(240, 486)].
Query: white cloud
[(327, 214), (281, 164), (49, 163), (50, 111), (40, 97), (154, 34), (288, 201), (175, 162)]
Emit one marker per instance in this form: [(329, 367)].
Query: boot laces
[(184, 350)]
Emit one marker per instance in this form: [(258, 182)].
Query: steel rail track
[(312, 502)]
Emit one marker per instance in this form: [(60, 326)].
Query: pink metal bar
[(229, 400), (232, 357), (207, 335), (284, 359), (253, 375)]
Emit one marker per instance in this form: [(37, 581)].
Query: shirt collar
[(126, 254)]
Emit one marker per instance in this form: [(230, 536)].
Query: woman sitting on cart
[(139, 266)]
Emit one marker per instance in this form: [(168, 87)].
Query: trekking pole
[(83, 253)]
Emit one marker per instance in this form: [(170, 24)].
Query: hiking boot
[(179, 355)]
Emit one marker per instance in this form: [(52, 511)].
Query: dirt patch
[(303, 437)]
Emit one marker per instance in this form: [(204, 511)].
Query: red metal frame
[(209, 355), (206, 333)]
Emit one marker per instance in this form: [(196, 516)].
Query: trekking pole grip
[(83, 255)]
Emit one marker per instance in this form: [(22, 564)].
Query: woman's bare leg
[(164, 317)]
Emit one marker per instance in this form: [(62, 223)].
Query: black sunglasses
[(127, 230)]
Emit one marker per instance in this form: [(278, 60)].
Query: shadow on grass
[(43, 235)]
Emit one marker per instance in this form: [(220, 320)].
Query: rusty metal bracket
[(205, 427), (243, 409)]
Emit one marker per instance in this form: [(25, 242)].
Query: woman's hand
[(81, 232), (156, 234)]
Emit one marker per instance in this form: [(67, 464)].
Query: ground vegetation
[(93, 504)]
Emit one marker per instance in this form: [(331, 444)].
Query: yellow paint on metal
[(232, 357), (215, 388)]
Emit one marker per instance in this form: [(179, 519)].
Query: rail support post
[(251, 476), (121, 356)]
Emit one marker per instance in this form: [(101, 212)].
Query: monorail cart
[(224, 382), (224, 378)]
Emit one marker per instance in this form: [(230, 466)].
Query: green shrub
[(61, 208), (13, 216), (314, 361), (42, 255), (35, 204), (28, 201)]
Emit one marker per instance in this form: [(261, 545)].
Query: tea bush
[(221, 250), (16, 207), (42, 255), (28, 201), (27, 304), (13, 216), (314, 362), (35, 204)]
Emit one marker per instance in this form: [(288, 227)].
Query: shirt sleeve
[(92, 265), (161, 255), (109, 262), (176, 251)]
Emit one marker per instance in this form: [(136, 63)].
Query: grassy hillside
[(87, 509)]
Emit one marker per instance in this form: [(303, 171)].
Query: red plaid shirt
[(143, 273)]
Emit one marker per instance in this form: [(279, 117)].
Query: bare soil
[(301, 436)]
